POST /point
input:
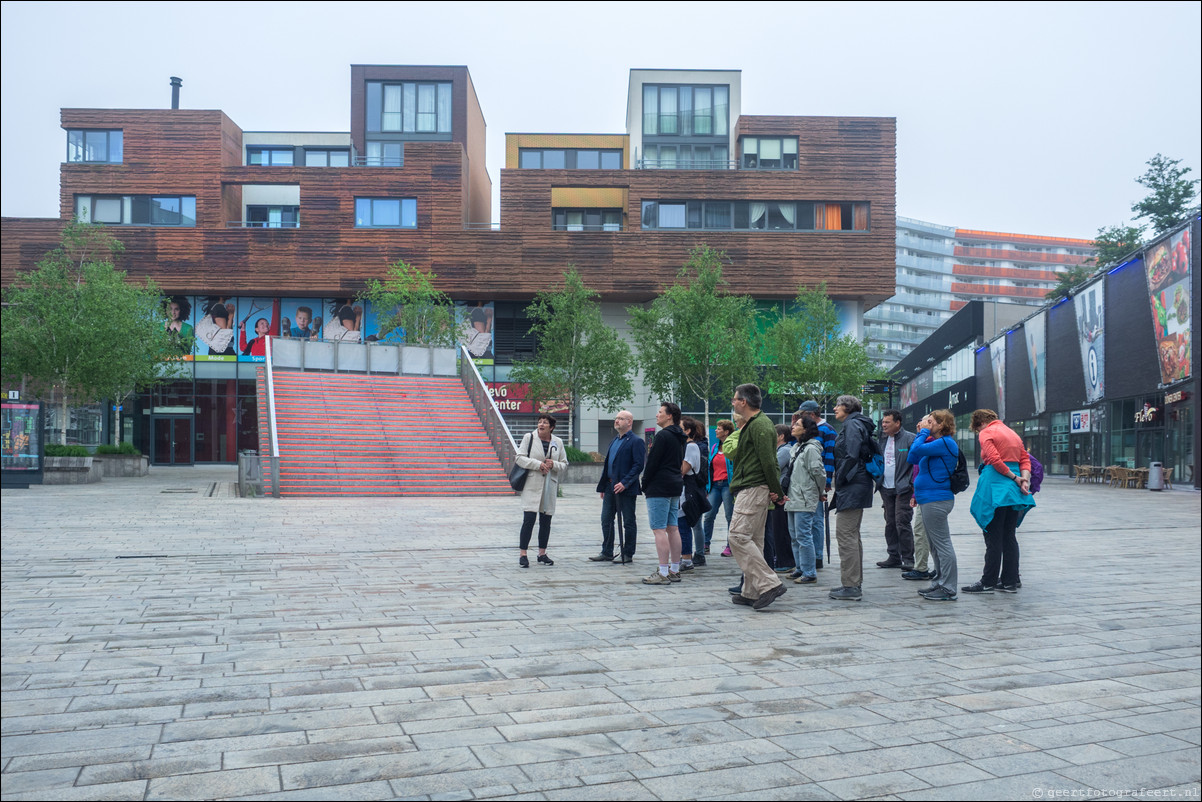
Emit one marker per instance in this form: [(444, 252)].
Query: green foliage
[(576, 455), (1113, 243), (809, 356), (1170, 194), (579, 359), (126, 449), (696, 338), (1069, 280), (411, 308), (76, 326), (56, 450)]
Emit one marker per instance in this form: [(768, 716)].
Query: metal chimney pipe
[(176, 83)]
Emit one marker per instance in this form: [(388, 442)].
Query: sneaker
[(726, 552), (739, 598), (938, 594), (736, 590), (686, 566), (907, 566), (977, 588), (673, 576), (889, 564), (545, 560), (795, 574), (707, 548), (818, 563), (805, 580), (601, 558), (523, 561), (1008, 588), (918, 575), (622, 559), (788, 570), (657, 579), (1019, 583), (769, 596), (698, 559), (846, 594)]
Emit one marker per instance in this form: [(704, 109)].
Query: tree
[(1113, 243), (1170, 196), (1069, 280), (579, 358), (808, 354), (411, 308), (696, 337), (76, 326)]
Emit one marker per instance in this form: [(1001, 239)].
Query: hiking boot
[(657, 579), (977, 588), (768, 596), (846, 594), (738, 598), (805, 580), (889, 564), (918, 575), (673, 576)]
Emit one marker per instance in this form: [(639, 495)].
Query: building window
[(680, 110), (586, 219), (273, 217), (409, 107), (95, 147), (769, 153), (385, 154), (569, 159), (269, 157), (136, 210), (755, 215), (331, 157), (685, 157), (385, 213)]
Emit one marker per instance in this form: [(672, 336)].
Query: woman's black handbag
[(518, 474), (696, 502)]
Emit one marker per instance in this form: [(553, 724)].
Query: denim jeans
[(662, 512), (686, 537), (719, 497), (612, 505), (818, 529), (800, 528)]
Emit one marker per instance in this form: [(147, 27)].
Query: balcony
[(582, 227), (907, 240), (937, 284), (1014, 255), (687, 164), (262, 224), (378, 161)]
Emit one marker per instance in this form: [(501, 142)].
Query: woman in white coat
[(542, 455)]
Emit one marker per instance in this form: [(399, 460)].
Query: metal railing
[(275, 435), (261, 224), (378, 161), (481, 226), (494, 425), (686, 164), (582, 227)]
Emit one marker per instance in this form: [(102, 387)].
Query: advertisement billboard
[(1035, 333), (1167, 266), (1090, 305)]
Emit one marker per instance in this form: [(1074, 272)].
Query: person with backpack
[(1001, 501), (937, 456), (855, 448)]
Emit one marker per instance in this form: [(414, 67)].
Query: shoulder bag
[(517, 474)]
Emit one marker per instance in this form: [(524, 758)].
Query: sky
[(1031, 118)]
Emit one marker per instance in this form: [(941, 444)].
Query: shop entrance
[(171, 440), (1149, 447)]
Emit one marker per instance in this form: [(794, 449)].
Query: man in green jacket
[(756, 487)]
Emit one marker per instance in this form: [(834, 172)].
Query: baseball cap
[(808, 406)]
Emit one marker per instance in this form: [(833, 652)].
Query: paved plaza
[(163, 639)]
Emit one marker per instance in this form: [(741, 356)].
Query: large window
[(409, 107), (769, 153), (385, 154), (586, 219), (272, 216), (327, 157), (755, 215), (136, 210), (679, 110), (96, 147), (569, 159), (685, 157), (270, 156), (385, 213)]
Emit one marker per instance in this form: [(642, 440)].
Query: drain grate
[(180, 490)]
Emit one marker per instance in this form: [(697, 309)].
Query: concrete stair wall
[(359, 434)]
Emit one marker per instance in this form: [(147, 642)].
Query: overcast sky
[(1022, 117)]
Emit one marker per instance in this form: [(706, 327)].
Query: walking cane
[(827, 512)]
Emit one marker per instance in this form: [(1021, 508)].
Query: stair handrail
[(275, 434), (494, 425)]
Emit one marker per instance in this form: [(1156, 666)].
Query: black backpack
[(959, 477)]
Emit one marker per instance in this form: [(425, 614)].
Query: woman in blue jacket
[(935, 453)]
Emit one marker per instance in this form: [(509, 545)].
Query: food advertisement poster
[(1090, 306), (997, 356), (1167, 265), (1035, 333)]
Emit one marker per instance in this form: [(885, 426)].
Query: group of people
[(805, 471)]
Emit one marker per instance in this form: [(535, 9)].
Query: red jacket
[(1000, 443)]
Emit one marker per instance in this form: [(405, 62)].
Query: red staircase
[(373, 435)]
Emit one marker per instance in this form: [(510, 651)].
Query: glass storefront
[(1059, 464)]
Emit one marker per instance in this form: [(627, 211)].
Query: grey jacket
[(902, 441), (808, 480)]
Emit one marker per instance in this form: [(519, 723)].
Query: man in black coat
[(896, 491), (618, 487), (853, 493)]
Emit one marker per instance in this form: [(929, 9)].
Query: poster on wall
[(1081, 421), (215, 328), (301, 318), (20, 448), (1167, 266), (1090, 306), (378, 324), (179, 323), (476, 327), (343, 321), (997, 356), (1035, 332), (257, 318)]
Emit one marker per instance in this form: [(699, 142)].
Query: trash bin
[(1156, 476)]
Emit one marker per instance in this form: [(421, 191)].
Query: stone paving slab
[(165, 645)]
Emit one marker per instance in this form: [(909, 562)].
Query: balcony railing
[(261, 224), (378, 161), (582, 227), (685, 164)]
